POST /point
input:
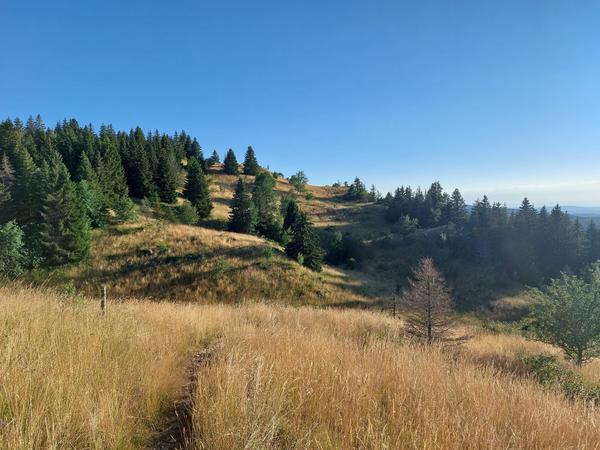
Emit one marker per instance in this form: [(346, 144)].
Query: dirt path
[(177, 432)]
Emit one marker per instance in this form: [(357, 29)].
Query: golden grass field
[(279, 377)]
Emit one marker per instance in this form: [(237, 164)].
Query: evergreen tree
[(230, 164), (357, 191), (251, 166), (263, 196), (305, 246), (456, 209), (214, 159), (136, 164), (292, 214), (299, 180), (167, 172), (196, 188), (64, 231), (12, 250), (242, 217), (111, 175), (592, 243)]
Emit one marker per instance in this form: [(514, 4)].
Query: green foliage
[(567, 314), (309, 196), (230, 164), (343, 248), (242, 216), (550, 372), (12, 250), (299, 180), (93, 203), (64, 235), (268, 221), (214, 159), (218, 270), (251, 166), (304, 246), (187, 214), (357, 191), (196, 189), (167, 173), (292, 214)]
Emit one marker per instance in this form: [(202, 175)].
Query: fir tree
[(196, 188), (456, 209), (64, 231), (167, 172), (292, 214), (136, 164), (263, 196), (251, 166), (242, 217), (230, 164), (304, 246), (214, 159)]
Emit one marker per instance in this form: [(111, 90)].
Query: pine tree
[(263, 196), (230, 164), (592, 243), (90, 193), (196, 188), (429, 305), (112, 175), (304, 246), (291, 215), (251, 166), (136, 164), (167, 172), (242, 217), (64, 231), (456, 209), (214, 159)]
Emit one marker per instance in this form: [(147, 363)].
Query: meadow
[(276, 377)]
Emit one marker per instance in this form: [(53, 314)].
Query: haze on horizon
[(496, 98)]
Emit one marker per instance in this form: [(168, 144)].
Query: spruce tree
[(167, 173), (251, 166), (65, 230), (456, 209), (242, 217), (136, 164), (291, 215), (268, 217), (592, 243), (305, 246), (214, 159), (196, 188), (230, 164)]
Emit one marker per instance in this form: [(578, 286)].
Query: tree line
[(525, 244), (57, 184)]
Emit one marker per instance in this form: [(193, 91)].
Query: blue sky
[(496, 97)]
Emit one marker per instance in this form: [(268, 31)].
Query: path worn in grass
[(177, 431)]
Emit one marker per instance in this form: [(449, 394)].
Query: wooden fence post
[(104, 301)]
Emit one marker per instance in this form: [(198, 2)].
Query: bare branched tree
[(429, 305)]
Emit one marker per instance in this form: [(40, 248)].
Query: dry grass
[(164, 261), (280, 378), (306, 379)]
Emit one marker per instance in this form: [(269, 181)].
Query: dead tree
[(429, 316)]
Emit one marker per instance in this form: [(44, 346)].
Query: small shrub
[(187, 214), (309, 196), (218, 270)]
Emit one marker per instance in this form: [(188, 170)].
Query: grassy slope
[(280, 378)]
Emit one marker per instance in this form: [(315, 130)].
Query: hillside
[(264, 377)]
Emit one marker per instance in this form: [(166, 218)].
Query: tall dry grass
[(279, 378), (70, 378), (315, 379)]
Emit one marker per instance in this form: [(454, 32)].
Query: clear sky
[(496, 97)]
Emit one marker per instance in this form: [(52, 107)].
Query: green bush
[(187, 214), (12, 251)]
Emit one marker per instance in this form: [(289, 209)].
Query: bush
[(12, 251), (187, 214)]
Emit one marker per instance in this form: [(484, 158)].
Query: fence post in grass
[(104, 301)]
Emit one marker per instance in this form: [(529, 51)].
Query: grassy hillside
[(274, 377)]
